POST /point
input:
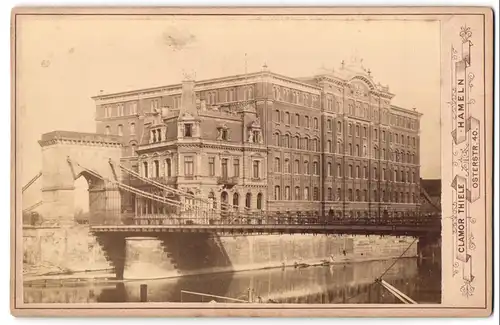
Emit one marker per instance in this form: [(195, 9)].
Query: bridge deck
[(401, 230)]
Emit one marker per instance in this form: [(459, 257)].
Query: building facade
[(331, 145)]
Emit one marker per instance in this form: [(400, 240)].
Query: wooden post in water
[(144, 293)]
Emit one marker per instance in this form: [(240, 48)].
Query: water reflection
[(343, 283)]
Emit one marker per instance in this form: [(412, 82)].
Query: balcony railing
[(229, 181)]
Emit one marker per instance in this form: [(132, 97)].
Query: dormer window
[(188, 130)]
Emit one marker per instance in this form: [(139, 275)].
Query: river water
[(340, 283)]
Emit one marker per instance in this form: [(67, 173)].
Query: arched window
[(349, 194), (316, 124), (375, 152), (277, 165), (315, 145), (248, 201), (145, 168), (383, 154), (296, 167), (277, 193), (329, 146), (259, 201), (276, 139), (132, 128), (120, 129), (107, 131), (339, 147), (156, 165), (286, 195), (375, 195), (297, 193), (306, 142), (350, 149), (286, 166), (189, 200), (133, 147), (375, 175), (329, 124), (315, 168), (357, 150), (306, 193), (224, 201), (277, 116), (357, 175), (330, 194), (236, 201), (329, 169), (358, 195), (339, 194), (339, 127), (286, 142), (307, 124), (306, 167), (297, 119), (365, 195)]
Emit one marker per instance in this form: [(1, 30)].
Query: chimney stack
[(188, 99)]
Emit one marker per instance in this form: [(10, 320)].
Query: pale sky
[(64, 60)]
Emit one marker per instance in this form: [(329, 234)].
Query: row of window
[(351, 195), (228, 95), (286, 118), (226, 205), (120, 109), (119, 129), (294, 96), (386, 175)]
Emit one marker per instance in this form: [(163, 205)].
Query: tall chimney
[(188, 99)]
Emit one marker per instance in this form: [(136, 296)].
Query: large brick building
[(331, 144)]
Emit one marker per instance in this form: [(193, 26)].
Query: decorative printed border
[(466, 161)]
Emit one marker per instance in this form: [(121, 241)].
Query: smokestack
[(188, 99)]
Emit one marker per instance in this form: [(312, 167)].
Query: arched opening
[(90, 201), (212, 200), (236, 201), (248, 201), (259, 201), (223, 203)]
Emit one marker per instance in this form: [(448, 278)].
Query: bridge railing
[(232, 218)]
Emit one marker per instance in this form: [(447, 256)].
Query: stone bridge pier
[(59, 243)]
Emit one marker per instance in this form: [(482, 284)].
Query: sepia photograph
[(249, 159)]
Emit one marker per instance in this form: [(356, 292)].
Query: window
[(350, 149), (315, 145), (357, 150), (276, 139), (120, 129), (383, 174), (224, 134), (133, 148), (315, 194), (132, 128), (339, 170), (259, 201), (248, 200), (329, 124), (297, 193), (339, 147), (145, 169), (236, 201), (357, 172), (287, 193), (375, 195), (224, 170), (287, 118), (277, 116), (329, 147), (339, 127), (306, 193), (133, 108), (306, 119), (375, 134), (296, 142), (329, 169), (188, 130), (365, 195), (316, 124), (296, 168), (286, 141), (256, 169), (383, 154), (168, 167), (339, 194), (277, 193), (107, 131), (350, 129), (375, 176), (383, 135), (286, 167), (349, 194), (236, 167), (350, 171), (358, 195), (277, 165), (188, 166), (365, 172), (156, 165), (365, 132), (357, 130), (315, 168), (306, 167), (306, 143)]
